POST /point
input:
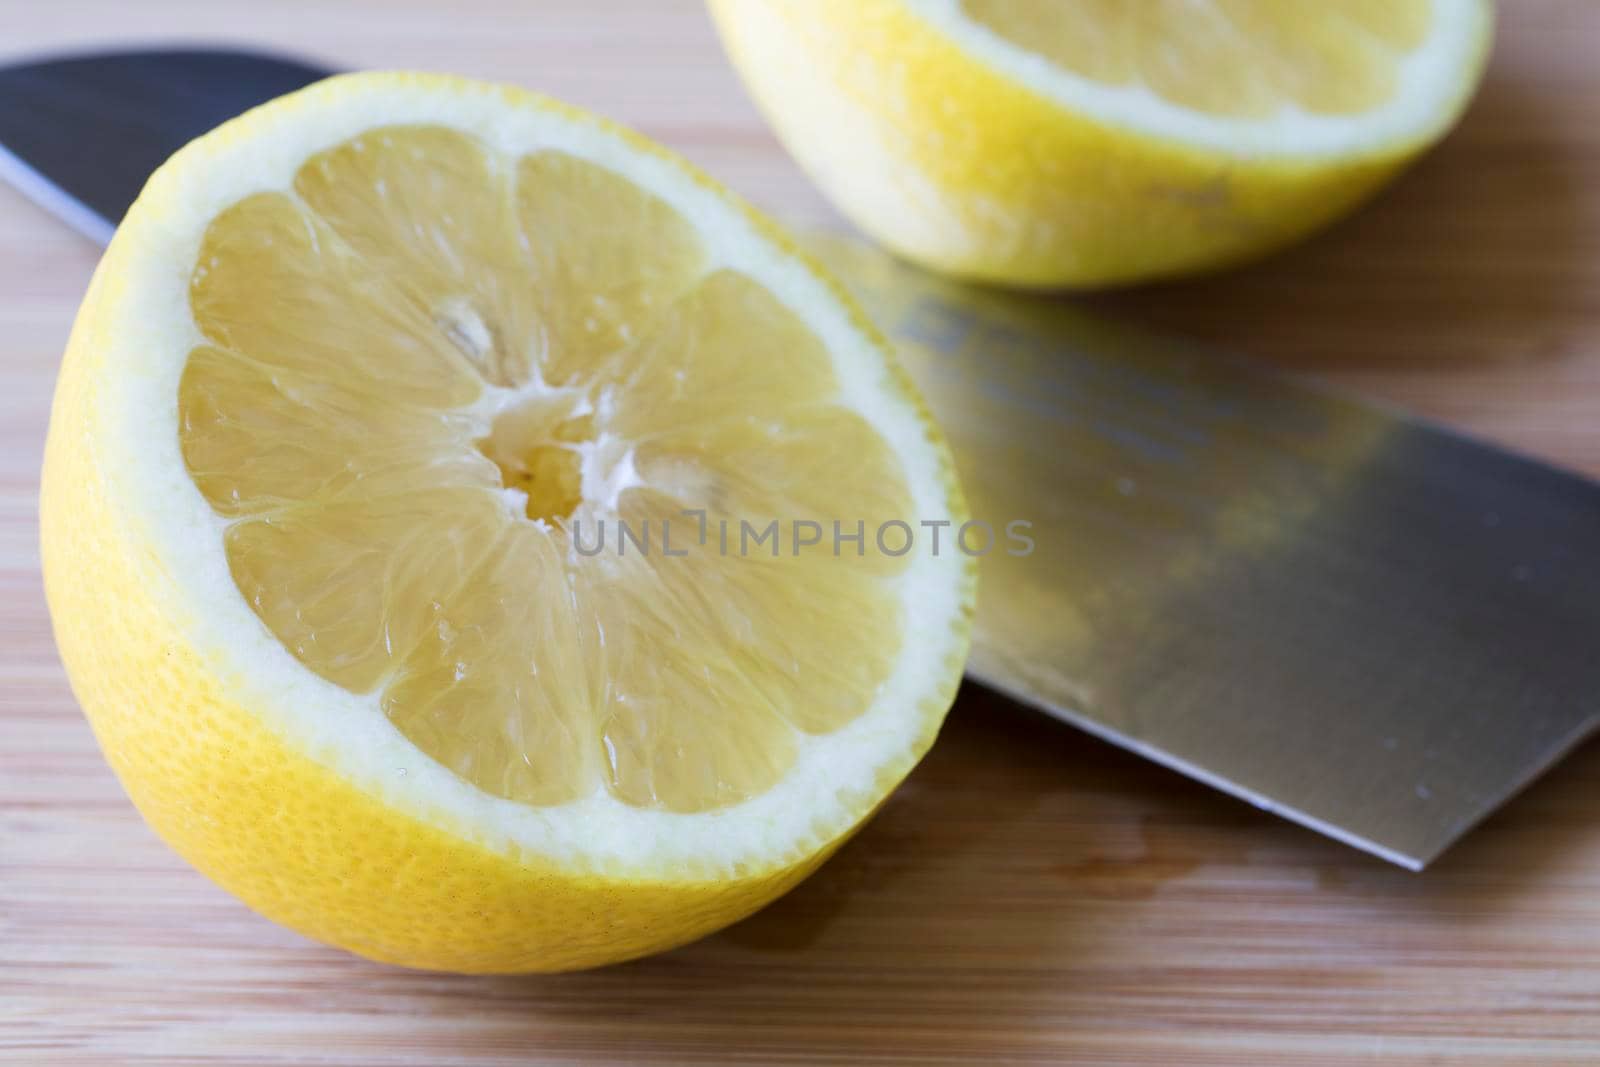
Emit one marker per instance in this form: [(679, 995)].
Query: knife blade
[(1370, 625)]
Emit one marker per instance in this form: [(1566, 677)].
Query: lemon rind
[(145, 327)]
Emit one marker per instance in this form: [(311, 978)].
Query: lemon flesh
[(1103, 142), (424, 327), (354, 388), (1244, 58)]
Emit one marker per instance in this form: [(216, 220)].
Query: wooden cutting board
[(1031, 895)]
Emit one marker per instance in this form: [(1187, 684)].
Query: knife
[(1370, 625)]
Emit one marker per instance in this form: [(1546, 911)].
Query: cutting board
[(1030, 895)]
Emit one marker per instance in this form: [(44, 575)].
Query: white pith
[(1429, 87), (151, 332)]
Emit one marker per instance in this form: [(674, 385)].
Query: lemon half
[(1095, 142), (357, 386)]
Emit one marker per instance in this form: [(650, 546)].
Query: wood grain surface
[(1031, 895)]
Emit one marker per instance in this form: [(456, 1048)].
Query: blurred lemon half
[(355, 392), (1097, 142)]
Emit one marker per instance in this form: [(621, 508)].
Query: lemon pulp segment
[(1235, 58), (431, 372)]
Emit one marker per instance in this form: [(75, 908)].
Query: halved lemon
[(1094, 142), (363, 382)]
